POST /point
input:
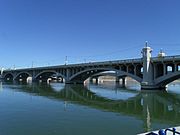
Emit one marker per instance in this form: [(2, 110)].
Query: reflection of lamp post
[(148, 119)]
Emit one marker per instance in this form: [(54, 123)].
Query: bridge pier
[(91, 80), (97, 80), (117, 79), (148, 78), (124, 82)]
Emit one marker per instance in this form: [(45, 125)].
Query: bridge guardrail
[(137, 60), (166, 58)]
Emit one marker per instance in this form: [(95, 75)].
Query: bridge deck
[(138, 60), (114, 62)]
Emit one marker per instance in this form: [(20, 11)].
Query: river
[(104, 109)]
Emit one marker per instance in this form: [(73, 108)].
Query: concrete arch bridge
[(150, 72)]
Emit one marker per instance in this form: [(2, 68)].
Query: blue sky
[(46, 31)]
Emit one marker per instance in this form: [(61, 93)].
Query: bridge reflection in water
[(149, 107)]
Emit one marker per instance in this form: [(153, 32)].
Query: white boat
[(168, 131)]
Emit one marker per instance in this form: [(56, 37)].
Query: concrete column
[(164, 69), (135, 67), (68, 72), (117, 79), (127, 67), (33, 76), (175, 67), (154, 70), (147, 67), (67, 75), (64, 72), (77, 70), (178, 67), (96, 80), (147, 82), (72, 70), (120, 68)]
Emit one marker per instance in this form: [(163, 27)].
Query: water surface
[(53, 109)]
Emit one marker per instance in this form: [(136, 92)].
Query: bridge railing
[(137, 60), (113, 62), (166, 58)]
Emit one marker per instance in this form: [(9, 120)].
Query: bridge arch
[(8, 76), (83, 75), (47, 74), (104, 74), (168, 78), (22, 75)]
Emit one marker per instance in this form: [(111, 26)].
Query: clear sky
[(46, 31)]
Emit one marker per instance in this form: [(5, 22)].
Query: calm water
[(56, 109)]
